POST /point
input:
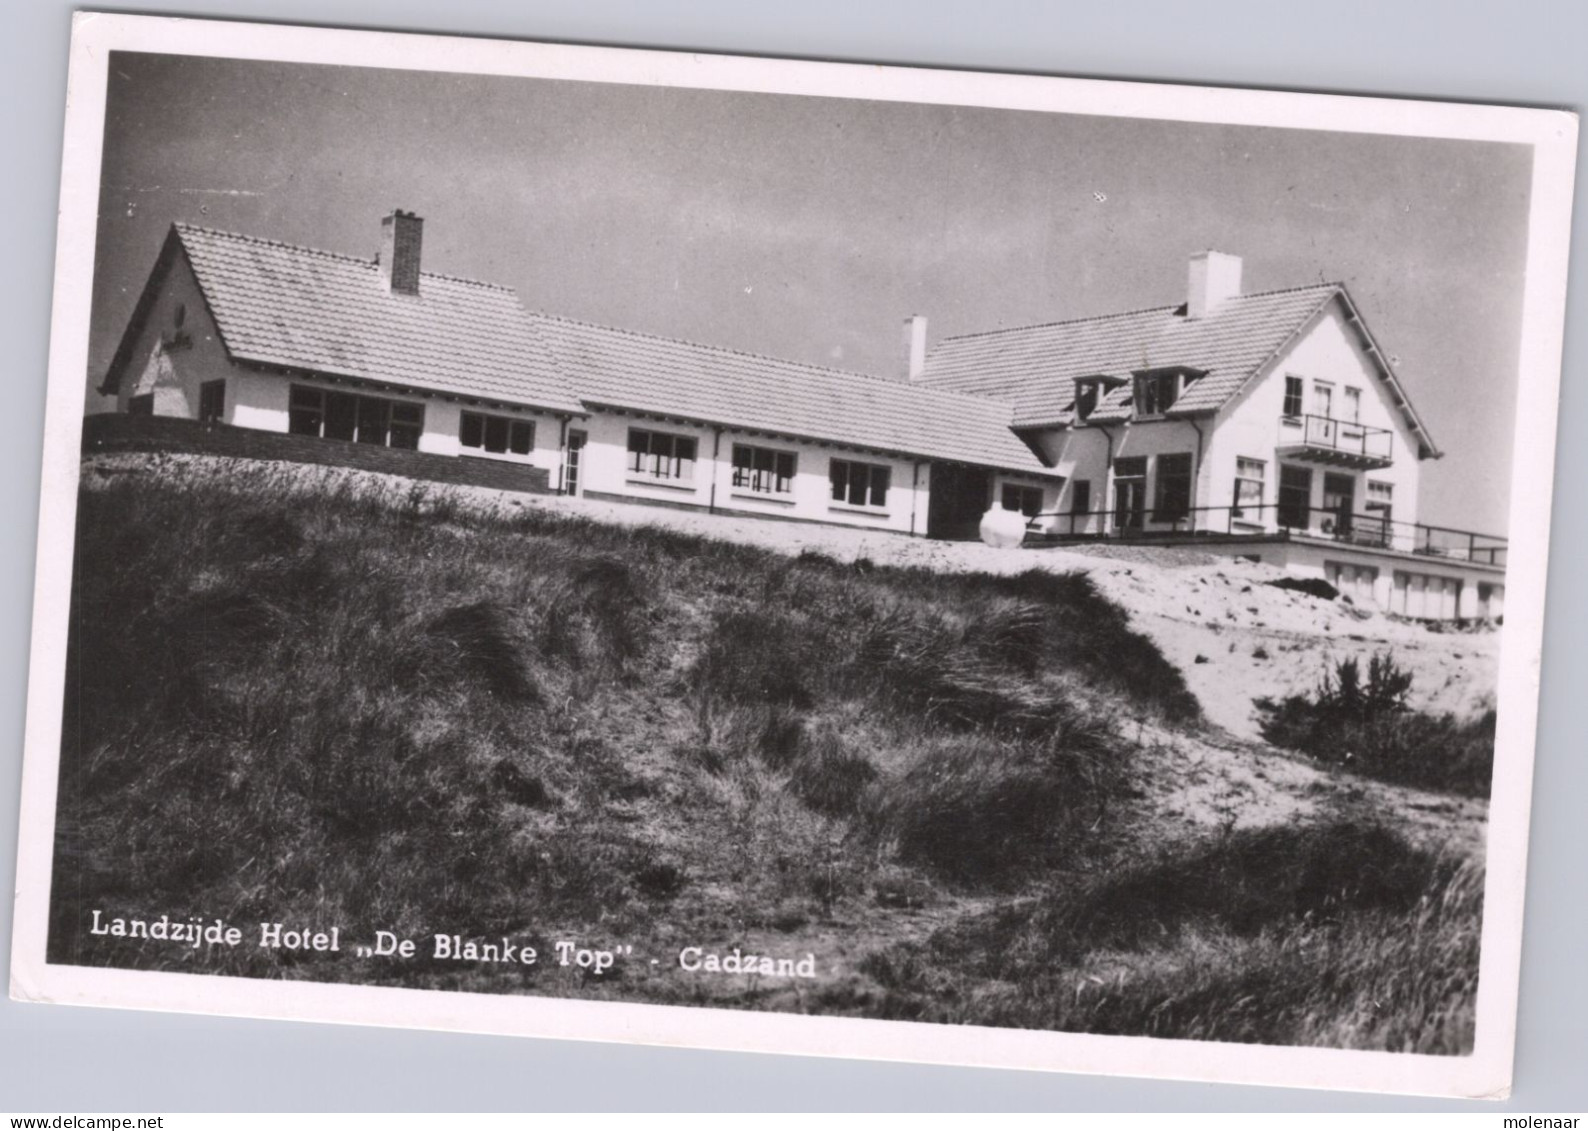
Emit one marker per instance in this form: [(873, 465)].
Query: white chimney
[(915, 345), (1215, 277)]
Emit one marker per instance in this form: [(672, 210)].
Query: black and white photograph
[(792, 556)]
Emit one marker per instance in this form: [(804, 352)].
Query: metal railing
[(1267, 520), (1345, 437)]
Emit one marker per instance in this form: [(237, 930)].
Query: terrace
[(1277, 522)]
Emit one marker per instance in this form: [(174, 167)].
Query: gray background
[(58, 1059)]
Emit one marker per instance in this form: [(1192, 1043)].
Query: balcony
[(1335, 443)]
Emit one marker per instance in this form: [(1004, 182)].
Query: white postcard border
[(1485, 1073)]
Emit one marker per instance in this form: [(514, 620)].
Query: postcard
[(787, 556)]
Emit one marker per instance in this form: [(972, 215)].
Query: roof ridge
[(730, 350), (342, 256), (1331, 285)]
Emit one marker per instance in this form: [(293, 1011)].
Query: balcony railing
[(1268, 520), (1342, 442)]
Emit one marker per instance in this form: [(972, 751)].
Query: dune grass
[(303, 697)]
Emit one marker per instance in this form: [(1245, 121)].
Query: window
[(1322, 399), (496, 434), (1156, 392), (1353, 405), (1081, 496), (1173, 502), (1295, 496), (407, 422), (1088, 391), (1355, 581), (1130, 492), (212, 401), (141, 405), (859, 484), (661, 455), (1249, 477), (1292, 396), (1377, 525), (1026, 500), (350, 416), (766, 471)]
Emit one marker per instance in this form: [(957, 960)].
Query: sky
[(810, 228)]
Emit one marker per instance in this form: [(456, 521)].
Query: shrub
[(1311, 586), (1367, 728)]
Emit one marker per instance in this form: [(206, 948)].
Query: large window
[(859, 484), (1250, 475), (766, 471), (1292, 396), (1026, 500), (1130, 492), (1081, 496), (496, 434), (661, 455), (352, 416), (212, 401), (1173, 502), (1295, 496)]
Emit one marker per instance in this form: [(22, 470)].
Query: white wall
[(172, 363), (605, 470), (256, 399), (1250, 425), (1083, 454)]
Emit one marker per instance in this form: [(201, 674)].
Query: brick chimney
[(1215, 277), (401, 235), (915, 346)]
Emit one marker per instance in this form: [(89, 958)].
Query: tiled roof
[(276, 304), (667, 377), (1034, 367)]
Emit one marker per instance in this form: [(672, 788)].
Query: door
[(1339, 499), (1130, 492), (959, 496), (572, 465), (1295, 496)]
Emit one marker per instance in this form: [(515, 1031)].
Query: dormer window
[(1089, 393), (1158, 389)]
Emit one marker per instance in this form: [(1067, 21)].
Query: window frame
[(1237, 503), (1136, 517), (369, 420), (661, 462), (1294, 405), (750, 477), (1025, 493), (1177, 509), (1148, 392), (874, 472), (1323, 397), (480, 426), (1282, 503), (208, 391), (1080, 497)]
